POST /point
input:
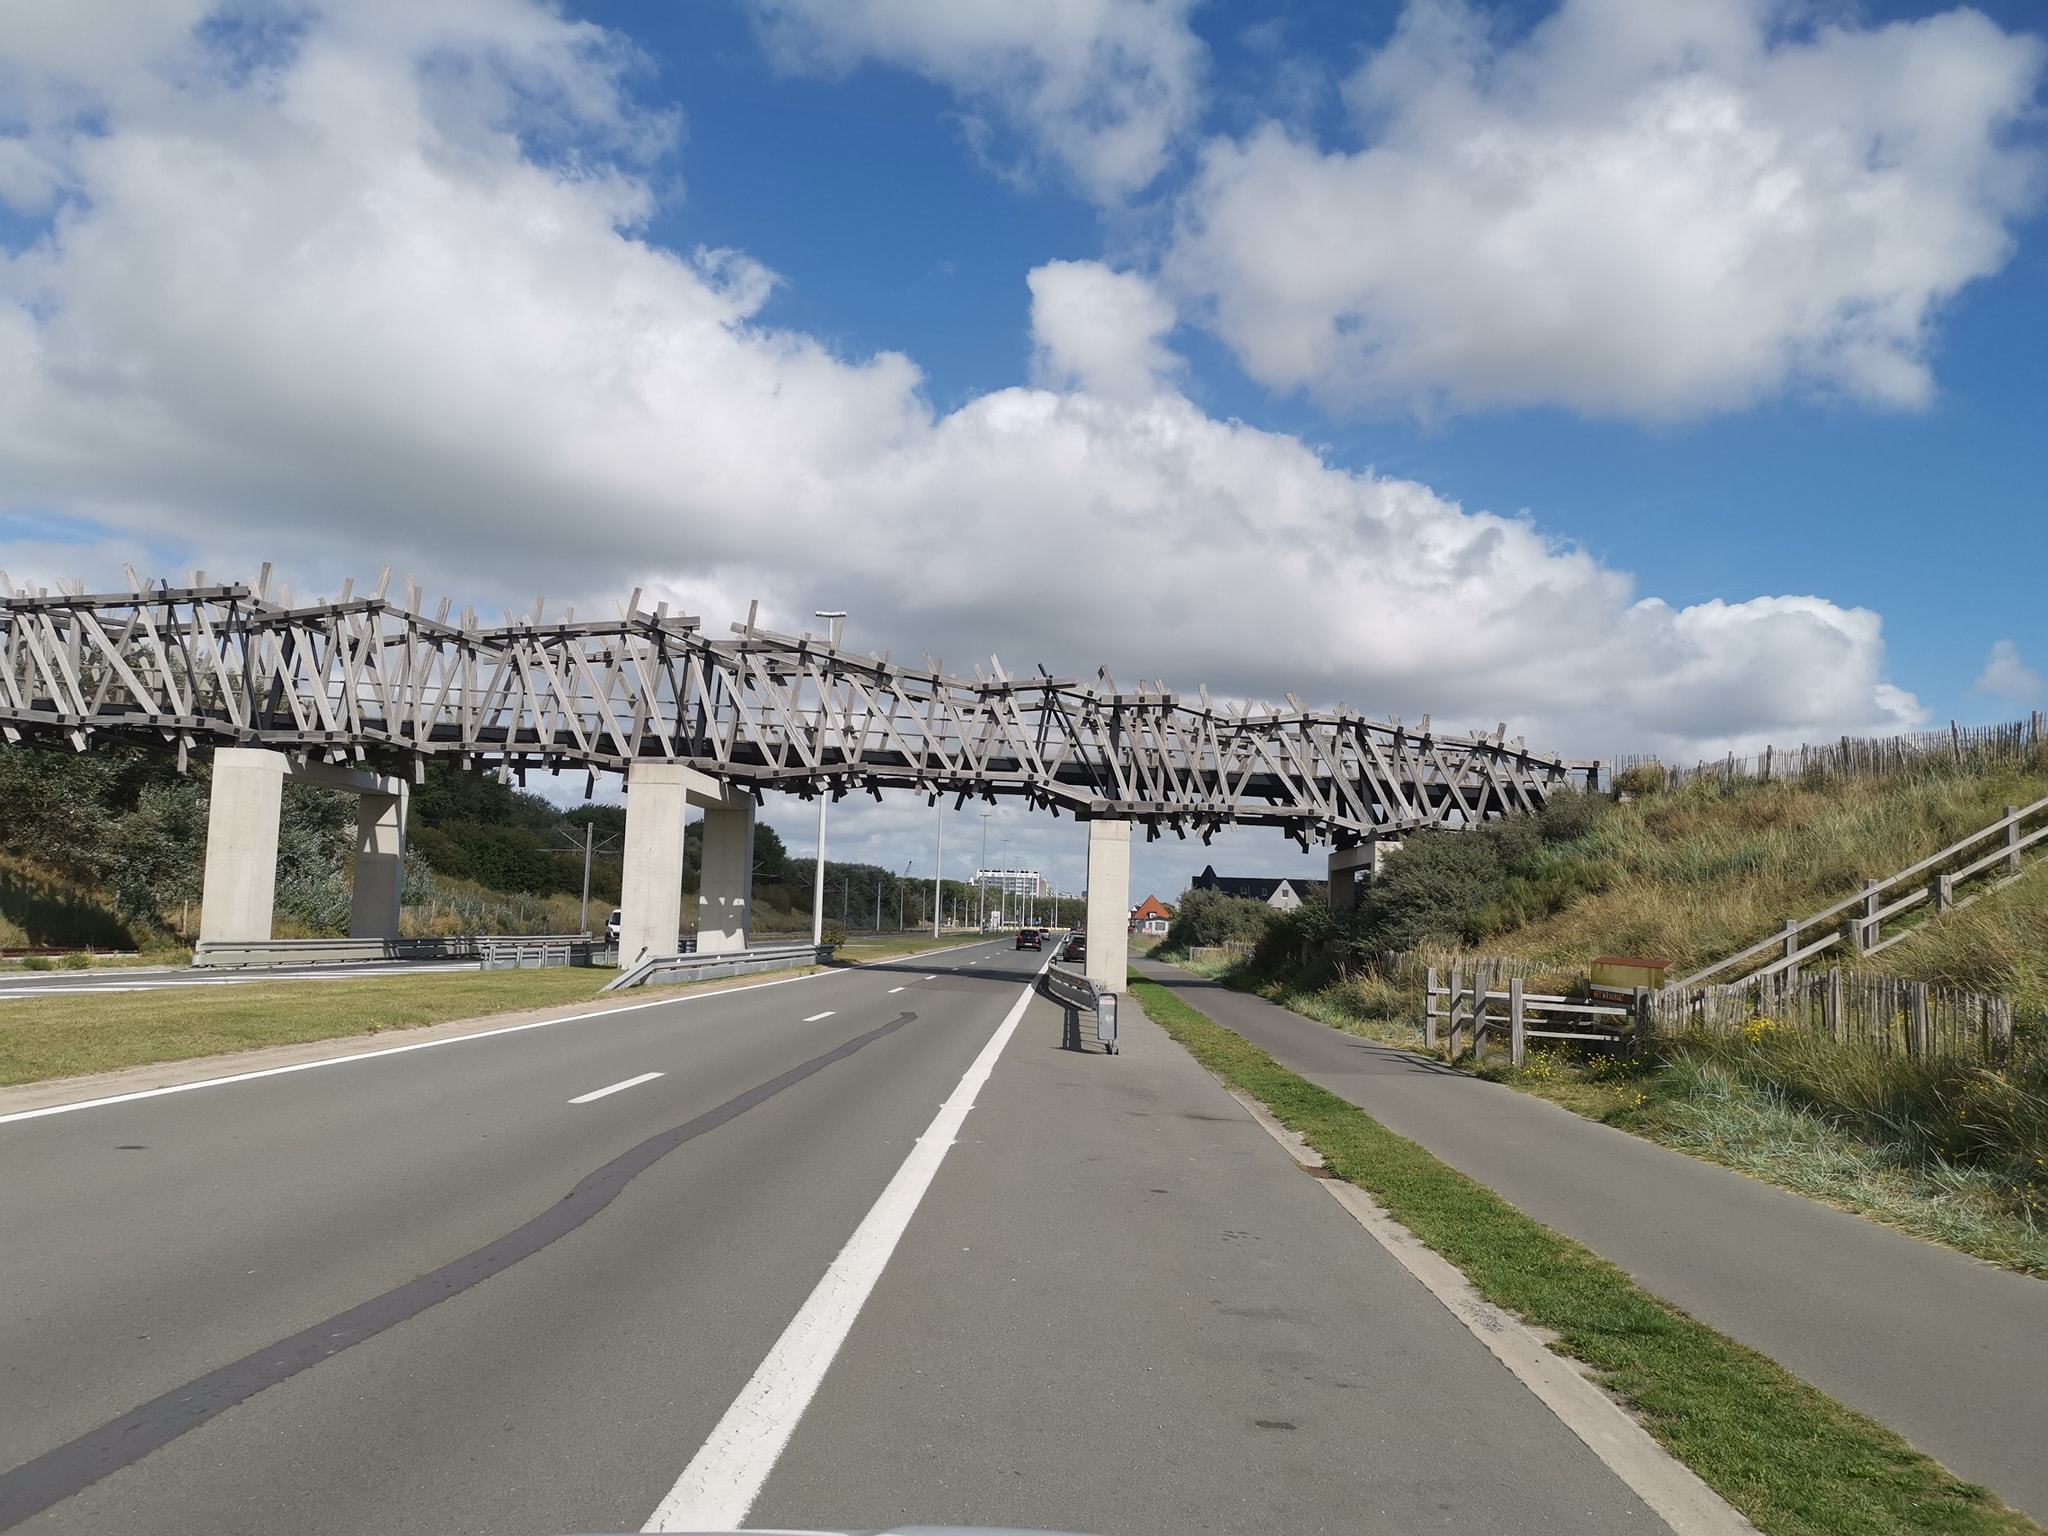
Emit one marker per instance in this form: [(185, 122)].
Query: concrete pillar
[(651, 881), (380, 865), (241, 845), (725, 890), (1109, 903), (1349, 865)]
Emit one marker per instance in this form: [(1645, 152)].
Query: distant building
[(1014, 882), (1280, 892), (1151, 916)]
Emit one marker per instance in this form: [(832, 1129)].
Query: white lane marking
[(895, 989), (393, 1050), (817, 1016), (724, 1478), (631, 1082), (931, 978)]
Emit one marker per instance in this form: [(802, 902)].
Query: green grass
[(42, 1038), (1941, 1149), (1791, 1458)]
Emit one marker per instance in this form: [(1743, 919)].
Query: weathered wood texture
[(227, 664)]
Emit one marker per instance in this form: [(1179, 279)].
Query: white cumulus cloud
[(1637, 208), (1100, 329), (2007, 675), (1102, 87), (375, 288)]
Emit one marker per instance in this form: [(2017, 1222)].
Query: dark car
[(1076, 948), (1031, 938)]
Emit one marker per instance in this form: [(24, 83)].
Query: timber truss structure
[(374, 677)]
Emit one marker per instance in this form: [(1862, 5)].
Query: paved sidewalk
[(1951, 1352)]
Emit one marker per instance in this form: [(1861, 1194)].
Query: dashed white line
[(895, 989), (631, 1082), (817, 1016), (723, 1479), (931, 978)]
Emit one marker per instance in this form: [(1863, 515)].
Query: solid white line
[(631, 1082), (725, 1476), (394, 1050), (817, 1016)]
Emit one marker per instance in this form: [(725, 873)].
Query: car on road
[(611, 927), (1076, 947), (1031, 938)]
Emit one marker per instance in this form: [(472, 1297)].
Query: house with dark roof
[(1281, 892)]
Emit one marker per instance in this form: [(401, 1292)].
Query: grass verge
[(42, 1038), (1791, 1458), (1900, 1168)]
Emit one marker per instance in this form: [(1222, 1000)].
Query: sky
[(1649, 375)]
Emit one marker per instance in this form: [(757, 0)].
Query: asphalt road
[(1949, 1351), (515, 1283)]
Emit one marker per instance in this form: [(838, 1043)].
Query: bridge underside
[(373, 681)]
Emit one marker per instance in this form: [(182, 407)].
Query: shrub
[(1209, 917), (1569, 815), (76, 962), (1642, 779), (35, 962)]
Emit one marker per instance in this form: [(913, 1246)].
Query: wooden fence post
[(1639, 1014), (1478, 1015), (1792, 946), (1457, 993), (1515, 1039), (1831, 1004), (2001, 1030), (1429, 1011), (1916, 1018), (1944, 892), (2012, 839)]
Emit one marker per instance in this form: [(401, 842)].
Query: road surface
[(517, 1283), (1949, 1351)]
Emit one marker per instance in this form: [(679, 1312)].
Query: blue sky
[(1393, 355)]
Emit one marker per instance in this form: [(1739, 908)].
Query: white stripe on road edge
[(631, 1082), (395, 1050), (725, 1477), (817, 1016)]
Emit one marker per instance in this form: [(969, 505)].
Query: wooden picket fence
[(1856, 756), (1886, 1013)]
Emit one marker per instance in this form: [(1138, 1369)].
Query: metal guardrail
[(1080, 995), (491, 951), (664, 969)]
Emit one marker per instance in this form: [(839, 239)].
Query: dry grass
[(1693, 875)]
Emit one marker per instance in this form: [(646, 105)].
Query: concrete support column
[(241, 845), (725, 890), (1349, 865), (651, 881), (380, 865), (1109, 903)]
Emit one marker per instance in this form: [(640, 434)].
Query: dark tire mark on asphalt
[(70, 1468)]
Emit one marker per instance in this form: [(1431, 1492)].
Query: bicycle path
[(1949, 1351)]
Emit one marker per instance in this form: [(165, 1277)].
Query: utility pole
[(939, 874), (583, 917), (902, 887), (981, 872), (838, 623)]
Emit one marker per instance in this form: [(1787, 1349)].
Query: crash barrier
[(663, 970), (489, 951), (1079, 995)]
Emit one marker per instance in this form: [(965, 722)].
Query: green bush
[(35, 962), (76, 962), (1209, 917)]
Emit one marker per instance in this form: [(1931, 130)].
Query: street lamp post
[(838, 618), (981, 875), (939, 874)]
